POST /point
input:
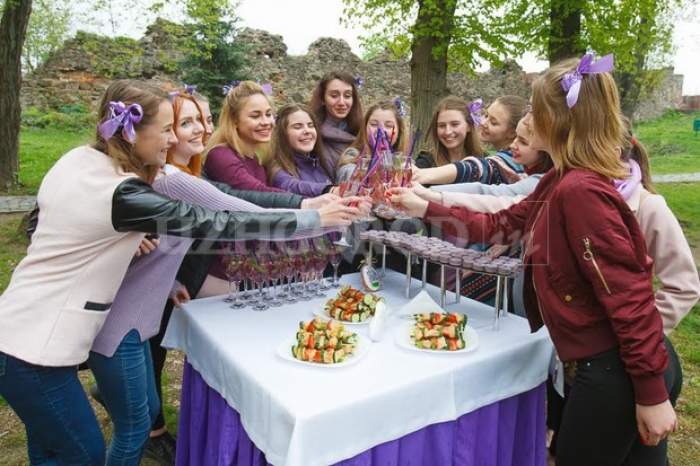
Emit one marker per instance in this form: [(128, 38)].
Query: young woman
[(497, 128), (294, 161), (674, 267), (585, 256), (95, 206), (335, 102), (451, 135), (385, 116), (245, 127)]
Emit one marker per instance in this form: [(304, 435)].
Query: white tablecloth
[(307, 416)]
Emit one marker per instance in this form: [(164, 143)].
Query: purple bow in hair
[(189, 89), (399, 107), (475, 111), (358, 81), (121, 116), (228, 88), (571, 82), (267, 87)]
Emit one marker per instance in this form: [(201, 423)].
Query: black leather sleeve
[(33, 221), (137, 207), (262, 199)]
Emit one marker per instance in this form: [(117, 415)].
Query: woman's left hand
[(656, 422), (408, 201)]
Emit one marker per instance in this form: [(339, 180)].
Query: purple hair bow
[(358, 81), (475, 111), (571, 82), (399, 107), (121, 116), (228, 88), (189, 89)]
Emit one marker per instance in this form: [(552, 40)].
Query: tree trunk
[(631, 82), (429, 59), (565, 30), (13, 28)]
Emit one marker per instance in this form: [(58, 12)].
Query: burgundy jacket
[(224, 165), (587, 274)]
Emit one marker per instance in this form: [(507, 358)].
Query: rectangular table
[(394, 405)]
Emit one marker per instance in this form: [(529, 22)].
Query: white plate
[(321, 312), (404, 340), (364, 344)]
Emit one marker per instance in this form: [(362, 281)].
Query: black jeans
[(599, 424)]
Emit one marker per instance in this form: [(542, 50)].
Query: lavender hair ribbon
[(475, 111), (189, 89), (358, 81), (399, 107), (228, 88), (120, 116), (571, 82)]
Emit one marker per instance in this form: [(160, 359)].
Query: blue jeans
[(60, 423), (127, 385)]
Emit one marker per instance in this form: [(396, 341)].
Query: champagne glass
[(345, 189), (236, 268), (336, 257), (259, 275), (225, 260), (402, 178), (275, 271)]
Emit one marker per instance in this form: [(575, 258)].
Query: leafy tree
[(214, 58), (462, 34), (439, 35), (13, 27), (48, 28)]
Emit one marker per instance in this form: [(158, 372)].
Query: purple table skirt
[(510, 432)]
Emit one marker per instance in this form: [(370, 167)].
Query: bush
[(73, 117)]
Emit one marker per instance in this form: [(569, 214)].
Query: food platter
[(404, 339)]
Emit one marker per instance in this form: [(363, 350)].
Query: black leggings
[(598, 421), (158, 354)]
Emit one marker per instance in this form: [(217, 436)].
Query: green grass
[(39, 150), (672, 145)]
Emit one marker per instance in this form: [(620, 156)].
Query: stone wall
[(81, 71)]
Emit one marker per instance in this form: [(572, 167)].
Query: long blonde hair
[(472, 143), (361, 142), (586, 135), (226, 131), (116, 147)]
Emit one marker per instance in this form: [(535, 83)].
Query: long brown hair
[(633, 149), (194, 167), (472, 143), (281, 155), (226, 130), (116, 147), (361, 142), (586, 135), (317, 103)]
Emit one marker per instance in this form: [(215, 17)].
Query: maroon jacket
[(224, 165), (587, 275)]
